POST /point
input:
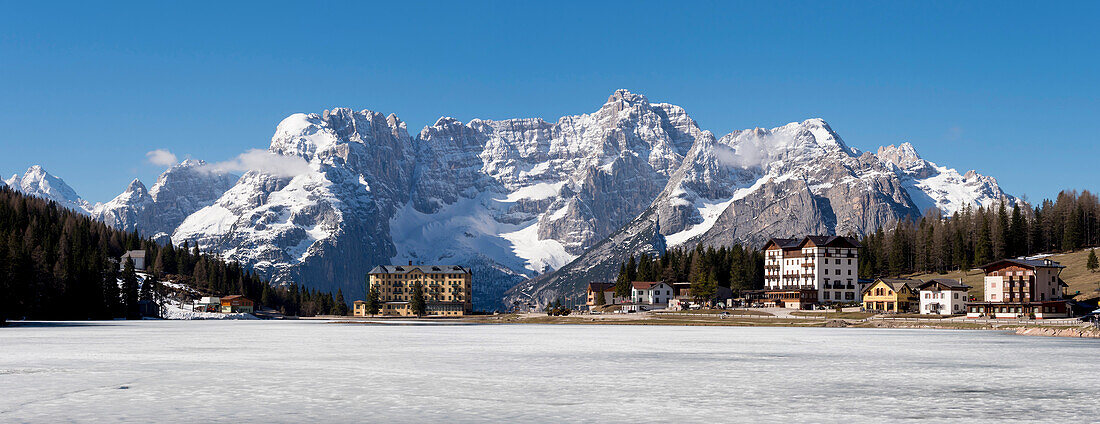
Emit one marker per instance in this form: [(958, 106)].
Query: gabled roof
[(895, 284), (601, 287), (427, 269), (1026, 263), (644, 285), (133, 254), (782, 243), (819, 241), (944, 284)]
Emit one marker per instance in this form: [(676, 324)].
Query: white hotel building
[(813, 269)]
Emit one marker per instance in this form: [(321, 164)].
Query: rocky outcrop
[(936, 187), (1079, 332), (180, 191)]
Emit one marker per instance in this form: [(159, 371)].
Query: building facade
[(137, 256), (447, 289), (236, 304), (891, 295), (607, 290), (941, 296), (1021, 288), (650, 293), (826, 265)]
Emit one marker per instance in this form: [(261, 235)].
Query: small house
[(138, 256), (207, 304), (942, 296), (651, 293), (236, 304), (891, 295), (595, 290)]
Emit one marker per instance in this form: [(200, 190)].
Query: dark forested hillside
[(58, 264), (706, 268), (973, 237)]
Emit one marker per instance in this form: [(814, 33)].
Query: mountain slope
[(933, 186), (180, 191), (510, 199), (39, 183)]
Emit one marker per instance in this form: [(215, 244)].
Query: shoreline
[(1029, 329)]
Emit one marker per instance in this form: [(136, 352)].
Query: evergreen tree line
[(972, 236), (59, 264), (706, 268)]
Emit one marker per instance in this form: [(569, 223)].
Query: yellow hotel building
[(446, 289)]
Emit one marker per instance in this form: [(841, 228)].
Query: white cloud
[(753, 151), (263, 161), (161, 157)]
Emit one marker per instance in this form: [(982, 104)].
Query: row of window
[(837, 296), (940, 295), (1012, 309)]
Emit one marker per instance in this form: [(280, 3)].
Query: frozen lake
[(305, 371)]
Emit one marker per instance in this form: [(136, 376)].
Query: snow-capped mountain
[(747, 187), (933, 186), (179, 192), (510, 199), (535, 208), (39, 183)]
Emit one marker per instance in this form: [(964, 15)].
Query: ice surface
[(310, 371)]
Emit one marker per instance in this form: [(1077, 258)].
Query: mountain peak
[(40, 183), (623, 99), (190, 163), (136, 186), (903, 156), (624, 95)]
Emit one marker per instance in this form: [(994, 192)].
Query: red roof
[(644, 285)]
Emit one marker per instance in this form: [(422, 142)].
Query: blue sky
[(1007, 88)]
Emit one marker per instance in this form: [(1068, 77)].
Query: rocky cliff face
[(511, 199), (752, 185), (933, 186), (536, 208), (179, 192)]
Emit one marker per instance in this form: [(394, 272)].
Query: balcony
[(808, 265)]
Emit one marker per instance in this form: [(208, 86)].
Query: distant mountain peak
[(38, 182), (136, 185), (903, 156)]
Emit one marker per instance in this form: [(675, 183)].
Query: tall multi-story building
[(813, 269), (1021, 288), (446, 289)]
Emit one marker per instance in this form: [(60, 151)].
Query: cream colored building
[(446, 289), (827, 265)]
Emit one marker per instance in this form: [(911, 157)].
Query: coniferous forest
[(706, 268), (59, 264), (976, 236), (966, 239)]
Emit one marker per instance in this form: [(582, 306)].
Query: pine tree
[(632, 269), (374, 301), (341, 307), (1092, 263), (130, 290), (1072, 234), (418, 304), (983, 248), (622, 283)]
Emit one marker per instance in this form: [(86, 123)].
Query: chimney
[(410, 263)]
